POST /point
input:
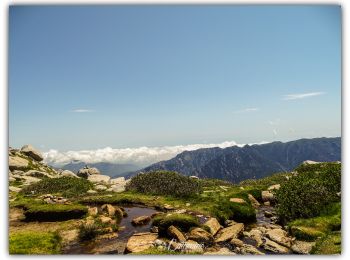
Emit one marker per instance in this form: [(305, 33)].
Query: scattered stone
[(238, 200), (229, 223), (272, 246), (168, 207), (188, 204), (93, 211), (105, 220), (253, 201), (201, 236), (100, 187), (194, 177), (279, 236), (302, 247), (309, 162), (32, 152), (142, 220), (256, 235), (249, 250), (140, 242), (236, 242), (108, 209), (37, 174), (267, 196), (228, 233), (14, 189), (175, 233), (157, 214), (180, 211), (214, 225), (274, 187), (222, 251), (67, 173), (17, 163), (87, 171)]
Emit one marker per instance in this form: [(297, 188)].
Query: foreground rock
[(201, 236), (214, 225), (32, 152), (248, 250), (253, 201), (140, 242), (175, 233), (17, 163), (267, 196), (272, 246), (221, 251), (228, 233), (279, 236), (302, 247), (142, 220)]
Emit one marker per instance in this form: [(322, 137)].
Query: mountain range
[(251, 161)]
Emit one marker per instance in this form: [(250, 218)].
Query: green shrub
[(226, 210), (67, 186), (36, 243), (165, 183), (53, 212), (307, 194), (328, 245), (182, 221)]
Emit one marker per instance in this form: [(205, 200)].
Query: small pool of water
[(115, 245)]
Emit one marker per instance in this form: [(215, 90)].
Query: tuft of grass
[(34, 243), (66, 186), (182, 221), (328, 245), (244, 213)]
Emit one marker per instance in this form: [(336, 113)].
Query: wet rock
[(238, 200), (120, 213), (17, 163), (236, 242), (228, 233), (214, 225), (32, 152), (140, 242), (302, 247), (253, 201), (108, 209), (272, 246), (173, 232), (279, 236), (201, 236), (142, 220), (98, 178)]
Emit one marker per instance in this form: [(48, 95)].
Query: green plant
[(88, 231), (37, 243), (165, 183), (67, 186), (307, 194), (182, 221), (239, 212)]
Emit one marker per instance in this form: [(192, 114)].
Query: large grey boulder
[(97, 178), (119, 180), (17, 163), (32, 152), (87, 171), (67, 173)]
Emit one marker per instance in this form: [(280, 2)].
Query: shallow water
[(115, 245)]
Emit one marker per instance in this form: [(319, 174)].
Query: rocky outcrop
[(173, 232), (213, 225), (87, 171), (228, 233), (142, 220), (67, 173), (32, 152), (140, 242), (279, 236), (108, 209), (18, 163), (98, 178), (267, 195)]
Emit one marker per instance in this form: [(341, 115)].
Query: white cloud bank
[(140, 156), (301, 96)]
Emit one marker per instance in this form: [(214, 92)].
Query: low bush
[(307, 194), (53, 212), (36, 243), (66, 186), (182, 221), (226, 210), (165, 183)]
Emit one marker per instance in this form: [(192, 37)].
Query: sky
[(121, 78)]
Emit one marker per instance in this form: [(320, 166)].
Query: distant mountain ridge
[(110, 169), (256, 161)]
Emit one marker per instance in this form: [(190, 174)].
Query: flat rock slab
[(214, 225), (229, 232), (140, 242)]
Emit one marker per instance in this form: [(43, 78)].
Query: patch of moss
[(226, 210), (34, 243), (182, 221), (328, 245)]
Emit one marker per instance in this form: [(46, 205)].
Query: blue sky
[(88, 77)]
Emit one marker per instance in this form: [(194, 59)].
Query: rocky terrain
[(64, 212)]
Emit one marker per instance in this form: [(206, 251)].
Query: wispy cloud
[(82, 110), (246, 110), (275, 122), (301, 96)]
